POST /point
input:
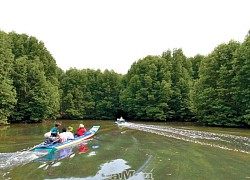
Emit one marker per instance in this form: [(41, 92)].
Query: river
[(135, 150)]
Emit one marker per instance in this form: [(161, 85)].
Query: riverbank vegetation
[(212, 89)]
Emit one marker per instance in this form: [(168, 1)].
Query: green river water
[(132, 151)]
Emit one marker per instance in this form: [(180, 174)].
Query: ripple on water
[(18, 158), (222, 141)]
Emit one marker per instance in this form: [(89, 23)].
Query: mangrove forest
[(211, 89)]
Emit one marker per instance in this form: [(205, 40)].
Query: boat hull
[(58, 146)]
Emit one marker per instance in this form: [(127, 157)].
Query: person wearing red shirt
[(81, 130)]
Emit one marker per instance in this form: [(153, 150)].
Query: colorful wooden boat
[(57, 146)]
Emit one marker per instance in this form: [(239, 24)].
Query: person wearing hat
[(81, 130), (70, 135), (66, 135)]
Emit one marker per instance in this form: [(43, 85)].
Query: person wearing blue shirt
[(55, 130), (53, 135)]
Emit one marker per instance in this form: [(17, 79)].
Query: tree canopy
[(212, 89)]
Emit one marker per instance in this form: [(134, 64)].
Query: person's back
[(69, 133), (63, 135), (81, 130)]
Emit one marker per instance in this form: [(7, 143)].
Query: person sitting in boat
[(63, 135), (53, 134), (55, 130), (81, 130), (69, 133)]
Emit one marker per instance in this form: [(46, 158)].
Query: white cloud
[(112, 34)]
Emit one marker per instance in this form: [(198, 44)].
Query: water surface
[(132, 151)]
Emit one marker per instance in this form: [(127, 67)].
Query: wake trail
[(222, 141), (8, 160)]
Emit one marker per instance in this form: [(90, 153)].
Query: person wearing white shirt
[(69, 133), (63, 135)]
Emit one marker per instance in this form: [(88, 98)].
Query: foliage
[(181, 73), (241, 82), (213, 100), (7, 91), (147, 90), (90, 94), (212, 89), (30, 79)]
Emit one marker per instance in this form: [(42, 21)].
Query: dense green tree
[(212, 95), (38, 99), (19, 76), (38, 90), (93, 93), (107, 103), (72, 85), (90, 94), (24, 45), (241, 81), (196, 61), (7, 90), (181, 72), (35, 78), (147, 90), (214, 89)]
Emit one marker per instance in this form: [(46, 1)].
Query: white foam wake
[(8, 160), (222, 141)]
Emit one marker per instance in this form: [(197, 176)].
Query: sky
[(112, 34)]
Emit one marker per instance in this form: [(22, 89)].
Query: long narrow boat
[(57, 146)]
